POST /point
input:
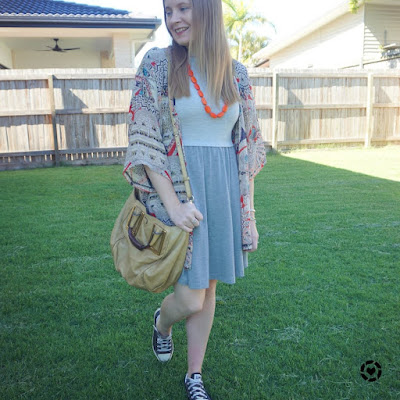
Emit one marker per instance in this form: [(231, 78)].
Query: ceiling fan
[(58, 48)]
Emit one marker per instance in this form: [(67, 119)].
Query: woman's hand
[(254, 236), (186, 216)]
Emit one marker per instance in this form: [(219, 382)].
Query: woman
[(214, 112)]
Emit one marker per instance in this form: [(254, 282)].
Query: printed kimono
[(152, 142)]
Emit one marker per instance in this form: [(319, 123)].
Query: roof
[(281, 43), (264, 54), (54, 8), (62, 14)]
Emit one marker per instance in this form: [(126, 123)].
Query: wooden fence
[(80, 116), (63, 116), (317, 107)]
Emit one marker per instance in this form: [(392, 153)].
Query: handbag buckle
[(157, 239), (139, 215), (157, 236)]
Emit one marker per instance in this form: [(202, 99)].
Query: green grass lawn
[(320, 298)]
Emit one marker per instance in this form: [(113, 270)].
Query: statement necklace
[(207, 108)]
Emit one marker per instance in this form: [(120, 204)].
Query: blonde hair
[(210, 46)]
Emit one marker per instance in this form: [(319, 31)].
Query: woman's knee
[(194, 305), (190, 301)]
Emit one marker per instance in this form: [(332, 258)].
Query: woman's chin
[(183, 41)]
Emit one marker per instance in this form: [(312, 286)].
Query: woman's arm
[(255, 145), (252, 196), (253, 227), (184, 215)]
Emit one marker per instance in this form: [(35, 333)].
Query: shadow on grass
[(319, 299)]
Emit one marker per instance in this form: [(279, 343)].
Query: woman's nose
[(175, 17)]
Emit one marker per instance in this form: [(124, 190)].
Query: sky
[(288, 16)]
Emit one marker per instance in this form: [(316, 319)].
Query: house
[(339, 39), (38, 34)]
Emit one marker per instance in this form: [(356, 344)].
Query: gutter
[(80, 22), (261, 63)]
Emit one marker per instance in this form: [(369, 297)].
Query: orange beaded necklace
[(207, 108)]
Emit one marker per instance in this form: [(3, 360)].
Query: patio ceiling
[(31, 25), (86, 39)]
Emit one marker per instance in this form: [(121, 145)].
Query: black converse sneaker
[(195, 388), (163, 346)]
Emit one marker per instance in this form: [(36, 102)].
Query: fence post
[(369, 113), (275, 109), (53, 119)]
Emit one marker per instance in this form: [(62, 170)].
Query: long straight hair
[(210, 46)]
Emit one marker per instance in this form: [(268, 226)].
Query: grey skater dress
[(213, 171)]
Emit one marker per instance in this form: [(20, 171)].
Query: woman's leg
[(178, 305), (198, 307), (198, 328)]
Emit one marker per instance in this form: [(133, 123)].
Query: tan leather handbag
[(149, 254)]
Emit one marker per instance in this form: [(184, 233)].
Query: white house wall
[(100, 48), (51, 59), (5, 55), (378, 19), (122, 51), (335, 45)]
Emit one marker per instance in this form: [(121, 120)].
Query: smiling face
[(178, 17)]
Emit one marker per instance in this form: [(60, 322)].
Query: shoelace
[(164, 344), (196, 390)]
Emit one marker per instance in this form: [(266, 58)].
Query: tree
[(237, 17), (355, 5), (251, 44)]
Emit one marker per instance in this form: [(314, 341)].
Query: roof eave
[(264, 54), (78, 22), (259, 63)]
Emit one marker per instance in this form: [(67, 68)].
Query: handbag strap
[(186, 179)]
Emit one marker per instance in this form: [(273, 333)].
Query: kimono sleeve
[(255, 142), (145, 146)]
